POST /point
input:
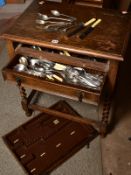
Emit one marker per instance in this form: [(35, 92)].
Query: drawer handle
[(18, 80), (81, 96)]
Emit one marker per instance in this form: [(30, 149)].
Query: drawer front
[(51, 87)]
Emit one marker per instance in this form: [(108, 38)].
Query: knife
[(80, 26), (89, 29)]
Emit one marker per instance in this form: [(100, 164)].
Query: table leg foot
[(105, 117), (103, 130), (24, 99)]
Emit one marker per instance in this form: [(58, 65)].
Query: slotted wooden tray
[(45, 142)]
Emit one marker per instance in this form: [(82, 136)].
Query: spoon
[(45, 17), (23, 60), (33, 61), (54, 27), (20, 67), (40, 21), (89, 82), (57, 13), (37, 48)]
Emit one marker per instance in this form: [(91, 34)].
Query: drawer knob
[(81, 96), (18, 80)]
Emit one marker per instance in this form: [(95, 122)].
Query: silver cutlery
[(57, 13), (20, 67), (41, 21), (45, 68), (45, 17)]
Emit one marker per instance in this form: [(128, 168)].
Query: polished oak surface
[(108, 40)]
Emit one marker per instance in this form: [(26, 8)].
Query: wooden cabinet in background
[(122, 5), (95, 3)]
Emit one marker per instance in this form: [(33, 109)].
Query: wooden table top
[(108, 40)]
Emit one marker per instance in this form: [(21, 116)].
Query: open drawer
[(66, 76)]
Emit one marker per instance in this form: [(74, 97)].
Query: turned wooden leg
[(105, 106), (24, 99), (105, 117)]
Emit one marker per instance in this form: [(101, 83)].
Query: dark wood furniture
[(95, 3), (121, 5), (124, 5), (107, 44)]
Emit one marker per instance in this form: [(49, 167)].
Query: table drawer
[(56, 87)]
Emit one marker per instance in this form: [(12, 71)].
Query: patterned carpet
[(8, 15)]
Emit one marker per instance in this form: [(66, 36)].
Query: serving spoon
[(40, 21), (57, 13), (45, 17)]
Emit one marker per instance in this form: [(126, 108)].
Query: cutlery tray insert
[(44, 142)]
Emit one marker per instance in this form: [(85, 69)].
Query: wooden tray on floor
[(44, 142)]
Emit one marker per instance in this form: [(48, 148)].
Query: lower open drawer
[(44, 142), (58, 83)]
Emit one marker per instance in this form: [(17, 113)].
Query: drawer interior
[(62, 76), (64, 71)]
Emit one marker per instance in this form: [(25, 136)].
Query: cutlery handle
[(89, 22), (81, 26), (96, 23), (77, 29), (89, 30), (86, 32)]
